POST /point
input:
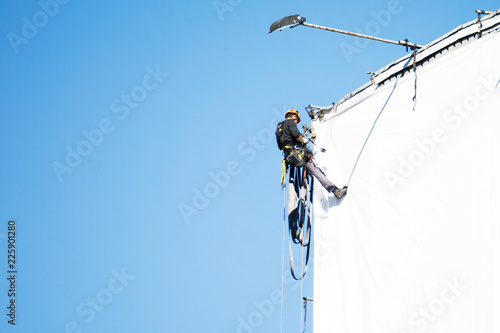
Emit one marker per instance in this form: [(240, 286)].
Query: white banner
[(414, 246)]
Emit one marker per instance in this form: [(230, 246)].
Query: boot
[(339, 193)]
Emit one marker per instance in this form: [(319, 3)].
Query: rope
[(283, 257), (297, 216), (301, 284), (371, 130), (284, 170), (415, 70), (305, 314), (300, 199), (303, 326)]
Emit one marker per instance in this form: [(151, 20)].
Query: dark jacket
[(296, 153), (290, 133)]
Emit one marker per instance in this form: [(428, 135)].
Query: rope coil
[(300, 189)]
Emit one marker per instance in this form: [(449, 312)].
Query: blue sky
[(138, 160)]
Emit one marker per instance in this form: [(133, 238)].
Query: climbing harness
[(295, 156)]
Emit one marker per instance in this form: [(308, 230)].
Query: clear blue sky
[(116, 115)]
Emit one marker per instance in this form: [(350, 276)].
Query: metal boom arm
[(401, 42)]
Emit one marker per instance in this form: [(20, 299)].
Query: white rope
[(301, 284), (371, 130), (283, 257)]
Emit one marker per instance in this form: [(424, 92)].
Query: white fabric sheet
[(414, 246)]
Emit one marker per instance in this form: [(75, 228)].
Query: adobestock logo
[(454, 118), (93, 305), (264, 309), (30, 27), (223, 6), (436, 307), (381, 19), (219, 180), (94, 137)]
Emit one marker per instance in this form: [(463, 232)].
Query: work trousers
[(317, 173)]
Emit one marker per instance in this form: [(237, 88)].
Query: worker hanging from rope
[(297, 154)]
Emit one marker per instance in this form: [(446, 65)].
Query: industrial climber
[(297, 154)]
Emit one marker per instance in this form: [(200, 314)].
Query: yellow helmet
[(293, 111)]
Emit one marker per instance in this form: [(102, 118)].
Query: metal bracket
[(479, 23), (318, 112), (372, 79)]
